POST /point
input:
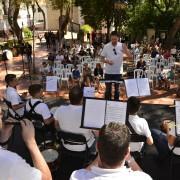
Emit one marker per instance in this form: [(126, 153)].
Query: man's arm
[(28, 134), (106, 61), (127, 52), (18, 106)]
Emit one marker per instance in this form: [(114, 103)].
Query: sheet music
[(115, 112), (51, 83), (143, 86), (89, 92), (94, 113), (177, 103), (131, 87)]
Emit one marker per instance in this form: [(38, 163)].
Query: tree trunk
[(17, 29), (108, 30), (172, 33), (43, 13), (5, 6)]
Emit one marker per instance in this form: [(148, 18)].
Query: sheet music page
[(143, 86), (177, 103), (94, 113), (131, 87), (116, 112), (51, 83), (89, 92)]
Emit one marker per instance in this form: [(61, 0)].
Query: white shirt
[(117, 58), (172, 132), (60, 57), (13, 167), (97, 173), (173, 51), (45, 70), (141, 127), (13, 97), (69, 119), (41, 108)]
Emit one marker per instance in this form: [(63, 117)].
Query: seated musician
[(139, 125), (68, 119), (12, 96), (12, 166), (113, 148), (164, 140), (36, 102)]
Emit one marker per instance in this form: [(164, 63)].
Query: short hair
[(34, 89), (133, 105), (9, 78), (113, 143), (114, 33), (75, 95)]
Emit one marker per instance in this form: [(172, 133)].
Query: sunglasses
[(114, 50)]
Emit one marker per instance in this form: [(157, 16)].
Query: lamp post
[(33, 26)]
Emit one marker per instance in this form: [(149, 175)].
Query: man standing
[(112, 56)]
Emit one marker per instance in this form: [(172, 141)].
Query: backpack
[(34, 116)]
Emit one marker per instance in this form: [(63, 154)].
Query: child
[(170, 77), (76, 75), (162, 80)]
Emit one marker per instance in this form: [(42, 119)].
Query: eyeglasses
[(114, 50)]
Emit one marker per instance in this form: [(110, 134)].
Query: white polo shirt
[(141, 127), (41, 108), (13, 167), (13, 97), (117, 58), (69, 119), (172, 132), (97, 173)]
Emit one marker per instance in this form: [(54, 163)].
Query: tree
[(64, 7)]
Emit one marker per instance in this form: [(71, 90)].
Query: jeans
[(108, 92), (160, 142)]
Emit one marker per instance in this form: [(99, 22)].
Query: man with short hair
[(12, 166), (68, 119), (112, 56), (12, 96), (139, 125), (113, 148), (36, 92)]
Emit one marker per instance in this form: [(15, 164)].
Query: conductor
[(112, 56)]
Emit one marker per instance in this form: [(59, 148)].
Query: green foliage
[(86, 28), (27, 32)]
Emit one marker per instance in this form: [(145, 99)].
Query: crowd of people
[(111, 152)]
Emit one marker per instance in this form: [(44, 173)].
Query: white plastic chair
[(66, 77), (138, 73), (69, 66), (150, 75)]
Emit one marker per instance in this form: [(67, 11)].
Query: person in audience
[(36, 92), (98, 74), (13, 97), (60, 56), (45, 69), (174, 52), (154, 52), (162, 79), (164, 140), (86, 70), (87, 82), (12, 166), (141, 64), (139, 124), (113, 151), (66, 59), (170, 77), (167, 54), (68, 119), (98, 71), (75, 73)]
